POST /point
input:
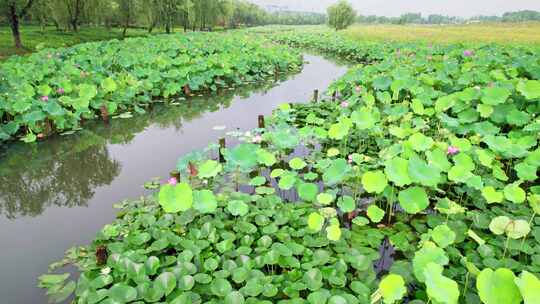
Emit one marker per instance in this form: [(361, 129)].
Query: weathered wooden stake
[(175, 174), (261, 121), (315, 95), (101, 255), (334, 96), (222, 145), (104, 114)]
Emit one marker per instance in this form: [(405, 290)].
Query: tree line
[(417, 18), (70, 15)]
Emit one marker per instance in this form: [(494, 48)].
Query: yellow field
[(505, 33)]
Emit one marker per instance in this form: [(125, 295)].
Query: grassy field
[(33, 38), (504, 33)]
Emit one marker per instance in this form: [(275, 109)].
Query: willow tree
[(341, 15), (14, 11)]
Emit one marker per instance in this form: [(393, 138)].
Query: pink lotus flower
[(468, 53), (344, 104), (172, 181), (257, 139), (60, 91), (44, 98), (350, 159), (358, 89), (452, 150)]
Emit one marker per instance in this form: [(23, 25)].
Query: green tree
[(15, 10), (341, 15)]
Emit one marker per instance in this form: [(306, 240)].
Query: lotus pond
[(417, 183), (58, 192)]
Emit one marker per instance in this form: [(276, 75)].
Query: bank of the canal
[(59, 193)]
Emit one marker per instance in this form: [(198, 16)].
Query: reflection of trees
[(62, 173), (65, 171)]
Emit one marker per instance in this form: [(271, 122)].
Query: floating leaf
[(374, 181), (392, 288), (333, 232), (297, 163), (498, 286), (209, 168), (375, 213), (413, 200), (443, 236), (176, 198), (529, 286), (237, 208), (315, 221), (396, 170), (439, 287)]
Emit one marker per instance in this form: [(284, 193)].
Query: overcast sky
[(463, 8)]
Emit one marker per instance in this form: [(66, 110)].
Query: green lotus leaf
[(297, 163), (443, 236), (529, 286), (265, 157), (491, 195), (420, 142), (204, 201), (392, 288), (374, 181), (209, 168), (413, 199), (307, 191), (429, 253), (529, 88), (514, 193), (375, 213), (346, 204), (122, 293), (439, 287), (109, 85), (397, 171), (325, 198), (287, 180), (313, 279), (333, 232), (421, 172), (315, 221), (364, 118), (234, 297), (336, 172), (498, 287), (495, 95), (220, 287), (176, 198), (237, 208)]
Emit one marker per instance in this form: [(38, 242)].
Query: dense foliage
[(341, 15), (419, 184), (53, 90)]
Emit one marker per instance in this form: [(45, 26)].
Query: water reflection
[(65, 171)]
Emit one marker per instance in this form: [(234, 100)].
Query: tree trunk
[(13, 19)]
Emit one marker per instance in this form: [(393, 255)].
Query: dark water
[(59, 193)]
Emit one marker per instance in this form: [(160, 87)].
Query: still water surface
[(59, 193)]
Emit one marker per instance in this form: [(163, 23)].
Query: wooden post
[(261, 121), (315, 95), (222, 145), (104, 114), (175, 174), (334, 96), (101, 255)]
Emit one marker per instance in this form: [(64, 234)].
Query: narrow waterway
[(59, 193)]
